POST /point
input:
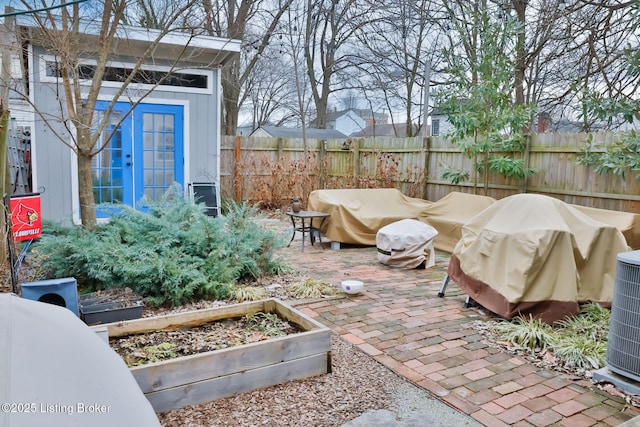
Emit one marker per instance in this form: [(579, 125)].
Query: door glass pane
[(148, 122), (158, 154), (148, 141), (107, 164)]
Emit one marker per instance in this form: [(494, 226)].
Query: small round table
[(299, 221)]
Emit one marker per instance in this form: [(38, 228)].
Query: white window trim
[(44, 59), (75, 199)]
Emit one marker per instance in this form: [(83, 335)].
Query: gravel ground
[(357, 384)]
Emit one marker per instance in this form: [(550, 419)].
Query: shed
[(172, 135)]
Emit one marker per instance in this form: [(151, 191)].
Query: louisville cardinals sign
[(26, 222)]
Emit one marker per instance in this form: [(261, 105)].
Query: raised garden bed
[(212, 375), (110, 306)]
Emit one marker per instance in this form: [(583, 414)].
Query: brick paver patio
[(400, 321)]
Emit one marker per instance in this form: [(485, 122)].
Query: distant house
[(352, 120), (284, 132), (346, 121), (373, 118)]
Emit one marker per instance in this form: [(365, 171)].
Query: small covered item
[(407, 243)]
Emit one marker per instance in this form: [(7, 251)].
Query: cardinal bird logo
[(26, 215)]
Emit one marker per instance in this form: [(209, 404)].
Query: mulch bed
[(162, 345)]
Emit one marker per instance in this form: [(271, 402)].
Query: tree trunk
[(520, 7), (231, 94), (85, 191)]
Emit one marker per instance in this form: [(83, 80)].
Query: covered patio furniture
[(358, 214), (450, 213), (628, 223), (407, 243), (530, 254)]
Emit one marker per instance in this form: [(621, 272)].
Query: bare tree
[(270, 91), (231, 18), (159, 14), (75, 123), (329, 29), (397, 46)]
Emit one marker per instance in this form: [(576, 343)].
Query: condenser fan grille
[(623, 352)]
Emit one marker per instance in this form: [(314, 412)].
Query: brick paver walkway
[(400, 321)]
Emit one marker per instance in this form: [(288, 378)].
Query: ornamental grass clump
[(580, 351), (173, 254), (578, 341), (311, 288), (247, 293), (529, 333)]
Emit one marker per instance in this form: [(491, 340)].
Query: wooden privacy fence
[(275, 170)]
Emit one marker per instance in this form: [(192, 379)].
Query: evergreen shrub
[(172, 254)]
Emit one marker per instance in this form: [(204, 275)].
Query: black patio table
[(299, 221)]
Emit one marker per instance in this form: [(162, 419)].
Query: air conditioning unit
[(623, 351)]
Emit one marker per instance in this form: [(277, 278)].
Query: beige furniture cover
[(533, 254), (358, 214), (63, 371), (407, 243), (627, 222), (450, 213)]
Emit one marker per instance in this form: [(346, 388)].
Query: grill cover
[(406, 244), (530, 254)]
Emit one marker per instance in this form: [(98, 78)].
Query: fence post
[(356, 160), (426, 146), (280, 150), (322, 153), (237, 174), (525, 160)]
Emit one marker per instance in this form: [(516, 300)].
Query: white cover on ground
[(63, 372), (407, 244)]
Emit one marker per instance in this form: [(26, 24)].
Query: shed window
[(120, 74)]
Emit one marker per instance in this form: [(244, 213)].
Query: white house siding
[(350, 123), (54, 168), (444, 125)]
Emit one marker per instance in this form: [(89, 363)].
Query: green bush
[(173, 254)]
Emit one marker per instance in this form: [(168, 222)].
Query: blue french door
[(158, 150), (143, 157)]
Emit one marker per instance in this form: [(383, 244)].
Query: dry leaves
[(357, 384)]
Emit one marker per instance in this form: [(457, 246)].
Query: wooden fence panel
[(415, 166)]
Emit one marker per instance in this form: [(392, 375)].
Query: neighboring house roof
[(437, 112), (244, 130), (570, 126), (283, 132), (386, 129), (369, 114)]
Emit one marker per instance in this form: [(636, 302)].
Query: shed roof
[(135, 41)]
